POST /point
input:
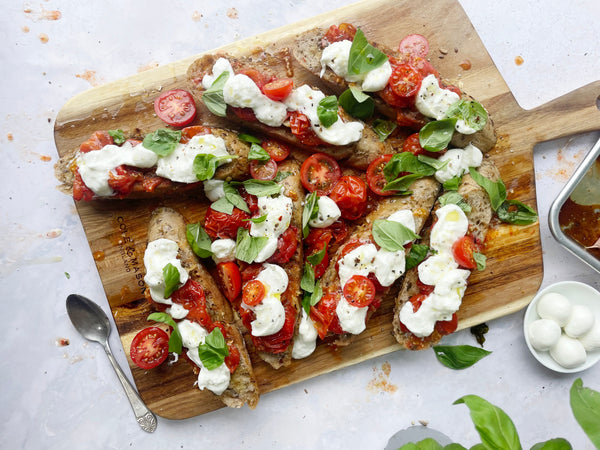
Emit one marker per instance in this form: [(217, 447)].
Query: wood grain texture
[(116, 230)]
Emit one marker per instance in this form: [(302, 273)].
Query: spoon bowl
[(92, 323)]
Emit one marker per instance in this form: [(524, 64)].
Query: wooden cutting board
[(116, 230)]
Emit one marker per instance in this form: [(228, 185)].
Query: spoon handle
[(145, 418)]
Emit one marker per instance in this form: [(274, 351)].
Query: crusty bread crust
[(479, 221), (243, 388)]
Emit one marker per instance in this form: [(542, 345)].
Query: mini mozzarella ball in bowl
[(562, 326)]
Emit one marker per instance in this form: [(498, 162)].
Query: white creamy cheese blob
[(433, 101), (305, 341), (95, 166), (568, 352), (192, 335), (459, 161), (178, 165), (352, 318), (223, 250), (213, 189), (270, 313), (406, 218), (158, 254), (556, 307), (359, 261), (305, 100), (543, 334), (336, 55), (580, 321), (591, 339), (278, 211), (452, 224), (328, 213), (220, 66)]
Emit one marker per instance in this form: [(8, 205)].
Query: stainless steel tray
[(570, 244)]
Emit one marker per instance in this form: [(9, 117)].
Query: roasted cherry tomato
[(410, 119), (319, 173), (343, 32), (279, 89), (376, 178), (276, 150), (425, 289), (359, 291), (259, 78), (230, 279), (191, 297), (122, 179), (287, 243), (175, 107), (149, 348), (301, 128), (189, 132), (222, 225), (263, 170), (253, 292), (324, 316), (245, 114), (445, 327), (350, 194), (96, 141), (80, 190), (414, 45), (463, 250), (278, 342), (405, 80)]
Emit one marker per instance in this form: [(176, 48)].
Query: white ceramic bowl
[(579, 294)]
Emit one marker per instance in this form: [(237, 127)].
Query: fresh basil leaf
[(403, 183), (496, 190), (205, 164), (358, 104), (261, 188), (233, 196), (433, 162), (162, 141), (171, 277), (480, 260), (175, 340), (455, 446), (459, 356), (383, 128), (406, 162), (515, 212), (258, 153), (553, 444), (585, 404), (118, 136), (454, 198), (213, 96), (317, 294), (260, 219), (248, 247), (316, 258), (198, 240), (307, 283), (391, 235), (425, 444), (495, 428), (453, 183), (214, 350), (471, 112), (436, 135), (249, 138), (310, 211), (417, 253), (281, 175), (363, 56), (327, 111), (222, 205)]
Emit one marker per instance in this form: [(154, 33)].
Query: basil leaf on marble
[(585, 404), (459, 356)]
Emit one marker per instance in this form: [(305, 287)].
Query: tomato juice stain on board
[(98, 255)]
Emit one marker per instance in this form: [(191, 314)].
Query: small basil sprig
[(233, 196), (363, 56), (391, 235), (248, 247), (249, 138), (175, 341), (496, 189), (260, 219), (214, 350), (459, 356), (281, 175), (471, 112), (213, 96), (310, 211), (515, 212), (117, 135), (359, 105), (453, 183), (383, 128), (317, 257), (585, 404), (401, 185), (480, 260), (162, 141), (436, 135), (222, 205), (205, 165), (171, 276), (261, 188), (433, 162), (454, 198), (406, 162), (312, 288), (327, 111), (257, 153), (417, 253), (198, 239)]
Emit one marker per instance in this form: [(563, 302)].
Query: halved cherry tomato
[(253, 292), (445, 327), (359, 291), (278, 342), (96, 141), (405, 80), (391, 98), (278, 89), (375, 176), (287, 243), (350, 195), (263, 170), (424, 67), (149, 348), (251, 271), (222, 225), (414, 45), (319, 173), (175, 107), (413, 145), (463, 250), (191, 296), (230, 279), (301, 128), (189, 132), (343, 32), (276, 150)]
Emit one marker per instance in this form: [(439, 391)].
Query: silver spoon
[(92, 323)]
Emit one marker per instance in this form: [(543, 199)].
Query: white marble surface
[(68, 397)]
